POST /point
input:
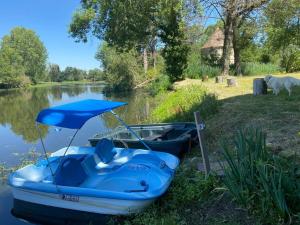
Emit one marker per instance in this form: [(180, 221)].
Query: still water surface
[(18, 135)]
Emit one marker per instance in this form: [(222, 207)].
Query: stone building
[(213, 48)]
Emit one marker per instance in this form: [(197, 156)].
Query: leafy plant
[(160, 85), (259, 180)]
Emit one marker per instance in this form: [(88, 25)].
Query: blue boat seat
[(70, 173), (105, 150)]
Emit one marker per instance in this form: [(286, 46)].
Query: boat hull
[(49, 215), (104, 206), (176, 142)]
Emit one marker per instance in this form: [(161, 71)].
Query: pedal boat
[(103, 179)]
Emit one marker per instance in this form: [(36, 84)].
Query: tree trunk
[(227, 45), (154, 59), (236, 48), (145, 60)]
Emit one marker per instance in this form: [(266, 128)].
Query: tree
[(73, 74), (232, 13), (172, 34), (95, 75), (22, 48), (135, 24), (121, 70), (282, 25), (54, 73)]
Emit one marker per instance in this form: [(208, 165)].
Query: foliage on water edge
[(28, 158), (181, 104), (259, 180)]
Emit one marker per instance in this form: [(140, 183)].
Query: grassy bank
[(228, 110)]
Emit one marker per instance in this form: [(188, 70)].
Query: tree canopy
[(22, 54), (139, 25)]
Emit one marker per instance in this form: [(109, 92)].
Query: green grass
[(180, 104), (250, 69), (279, 116)]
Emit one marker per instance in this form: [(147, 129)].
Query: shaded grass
[(279, 116)]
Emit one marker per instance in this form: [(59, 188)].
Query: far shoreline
[(50, 83)]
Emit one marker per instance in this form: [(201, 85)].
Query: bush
[(261, 181), (121, 69), (197, 69), (161, 84), (291, 59), (254, 68), (180, 104)]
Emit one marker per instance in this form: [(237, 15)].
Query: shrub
[(122, 70), (161, 84), (291, 58), (197, 69), (253, 68), (259, 180), (180, 104)]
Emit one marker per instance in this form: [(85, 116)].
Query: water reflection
[(18, 110), (138, 109)]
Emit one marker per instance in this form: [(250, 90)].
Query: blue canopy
[(74, 115)]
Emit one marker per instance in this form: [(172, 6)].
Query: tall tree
[(282, 25), (26, 51), (232, 13), (172, 34), (54, 73), (129, 23)]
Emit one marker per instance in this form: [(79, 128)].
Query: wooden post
[(204, 78), (259, 86), (199, 127), (220, 79)]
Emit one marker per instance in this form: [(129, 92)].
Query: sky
[(50, 20)]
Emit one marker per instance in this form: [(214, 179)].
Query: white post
[(199, 127)]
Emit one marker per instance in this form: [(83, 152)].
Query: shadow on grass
[(278, 116)]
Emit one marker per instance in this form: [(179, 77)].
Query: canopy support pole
[(131, 131), (67, 149), (44, 149), (45, 152)]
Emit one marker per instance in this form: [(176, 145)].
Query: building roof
[(216, 40)]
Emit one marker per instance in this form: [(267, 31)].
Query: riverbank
[(192, 199), (49, 84)]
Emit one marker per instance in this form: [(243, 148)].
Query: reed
[(259, 180)]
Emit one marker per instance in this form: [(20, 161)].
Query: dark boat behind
[(174, 138)]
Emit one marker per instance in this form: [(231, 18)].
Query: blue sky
[(50, 20)]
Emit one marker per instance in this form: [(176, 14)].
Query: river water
[(18, 134)]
